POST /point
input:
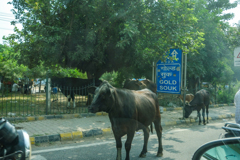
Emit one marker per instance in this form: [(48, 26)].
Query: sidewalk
[(56, 129)]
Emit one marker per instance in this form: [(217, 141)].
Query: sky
[(6, 16)]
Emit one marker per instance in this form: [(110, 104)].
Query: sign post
[(168, 74), (237, 56)]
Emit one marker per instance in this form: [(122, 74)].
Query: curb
[(210, 106), (78, 135), (45, 117), (80, 115), (70, 136)]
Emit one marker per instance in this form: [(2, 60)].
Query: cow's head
[(188, 110), (103, 98)]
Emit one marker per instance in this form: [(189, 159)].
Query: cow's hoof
[(142, 155), (159, 154)]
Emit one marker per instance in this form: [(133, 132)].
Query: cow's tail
[(151, 128)]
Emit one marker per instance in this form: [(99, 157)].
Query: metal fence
[(33, 100)]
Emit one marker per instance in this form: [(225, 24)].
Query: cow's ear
[(91, 89)]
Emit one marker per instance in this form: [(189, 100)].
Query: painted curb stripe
[(77, 115), (105, 114), (67, 116), (41, 139), (40, 118), (98, 113), (78, 134), (30, 118), (66, 136), (106, 130), (54, 138), (32, 140), (97, 132), (87, 133)]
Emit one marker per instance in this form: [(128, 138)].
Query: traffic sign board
[(168, 73), (237, 56)]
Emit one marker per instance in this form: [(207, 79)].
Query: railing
[(32, 102)]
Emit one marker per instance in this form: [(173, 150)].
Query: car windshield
[(231, 151)]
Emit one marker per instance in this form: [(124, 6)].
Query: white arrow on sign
[(237, 56), (174, 54)]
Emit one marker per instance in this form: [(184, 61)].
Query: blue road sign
[(168, 73)]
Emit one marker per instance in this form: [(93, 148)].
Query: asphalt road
[(179, 143)]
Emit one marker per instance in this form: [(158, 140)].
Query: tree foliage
[(9, 68), (102, 36), (213, 62)]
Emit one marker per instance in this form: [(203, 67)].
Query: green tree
[(9, 68), (101, 36), (213, 62)]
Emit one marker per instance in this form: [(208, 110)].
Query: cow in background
[(200, 101), (188, 98), (138, 85), (128, 111), (70, 86)]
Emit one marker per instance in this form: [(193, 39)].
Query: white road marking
[(38, 157), (177, 130), (95, 144), (70, 147)]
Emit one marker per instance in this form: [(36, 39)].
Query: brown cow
[(188, 99), (138, 85), (128, 112)]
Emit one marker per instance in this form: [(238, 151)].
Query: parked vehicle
[(14, 144), (226, 147)]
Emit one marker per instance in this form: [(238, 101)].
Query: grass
[(18, 104)]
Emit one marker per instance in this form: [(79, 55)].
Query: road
[(179, 143)]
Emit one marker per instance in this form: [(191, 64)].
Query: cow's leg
[(73, 99), (69, 99), (118, 144), (158, 128), (74, 105), (203, 115), (146, 137), (207, 113), (128, 142), (199, 117)]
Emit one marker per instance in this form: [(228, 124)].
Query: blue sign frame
[(168, 73)]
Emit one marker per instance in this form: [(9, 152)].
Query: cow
[(128, 111), (69, 86), (200, 101), (188, 98), (138, 85)]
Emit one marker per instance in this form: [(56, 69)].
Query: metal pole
[(153, 72), (48, 95), (182, 74), (185, 79)]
